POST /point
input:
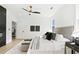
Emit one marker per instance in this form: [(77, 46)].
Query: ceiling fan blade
[(36, 12), (31, 11), (25, 9)]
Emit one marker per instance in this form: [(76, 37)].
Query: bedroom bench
[(25, 45)]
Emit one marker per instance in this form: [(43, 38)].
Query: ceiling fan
[(29, 9)]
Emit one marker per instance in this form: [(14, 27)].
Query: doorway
[(13, 30)]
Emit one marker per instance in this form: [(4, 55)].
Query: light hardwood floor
[(8, 46)]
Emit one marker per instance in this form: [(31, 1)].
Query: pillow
[(48, 35), (44, 36), (59, 37), (53, 36)]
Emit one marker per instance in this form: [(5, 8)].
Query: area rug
[(16, 50)]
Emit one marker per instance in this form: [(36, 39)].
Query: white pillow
[(44, 36), (59, 37)]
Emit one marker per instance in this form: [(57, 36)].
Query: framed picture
[(32, 28), (37, 28)]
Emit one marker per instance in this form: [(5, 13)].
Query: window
[(53, 25)]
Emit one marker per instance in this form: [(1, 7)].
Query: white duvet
[(42, 46)]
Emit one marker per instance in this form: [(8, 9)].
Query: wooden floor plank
[(8, 46)]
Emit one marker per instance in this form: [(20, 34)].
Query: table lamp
[(75, 36)]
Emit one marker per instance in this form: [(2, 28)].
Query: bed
[(40, 45)]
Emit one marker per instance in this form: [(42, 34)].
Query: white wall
[(23, 24), (65, 16), (8, 27), (9, 19)]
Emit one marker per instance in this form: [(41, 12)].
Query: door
[(2, 26)]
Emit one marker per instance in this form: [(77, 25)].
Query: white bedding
[(42, 46)]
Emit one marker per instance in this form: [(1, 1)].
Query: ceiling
[(44, 9)]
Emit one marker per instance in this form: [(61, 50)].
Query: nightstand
[(74, 48)]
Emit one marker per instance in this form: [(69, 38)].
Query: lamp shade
[(75, 34)]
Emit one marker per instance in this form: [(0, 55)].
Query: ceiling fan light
[(29, 8)]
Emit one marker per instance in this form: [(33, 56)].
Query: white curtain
[(76, 25)]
